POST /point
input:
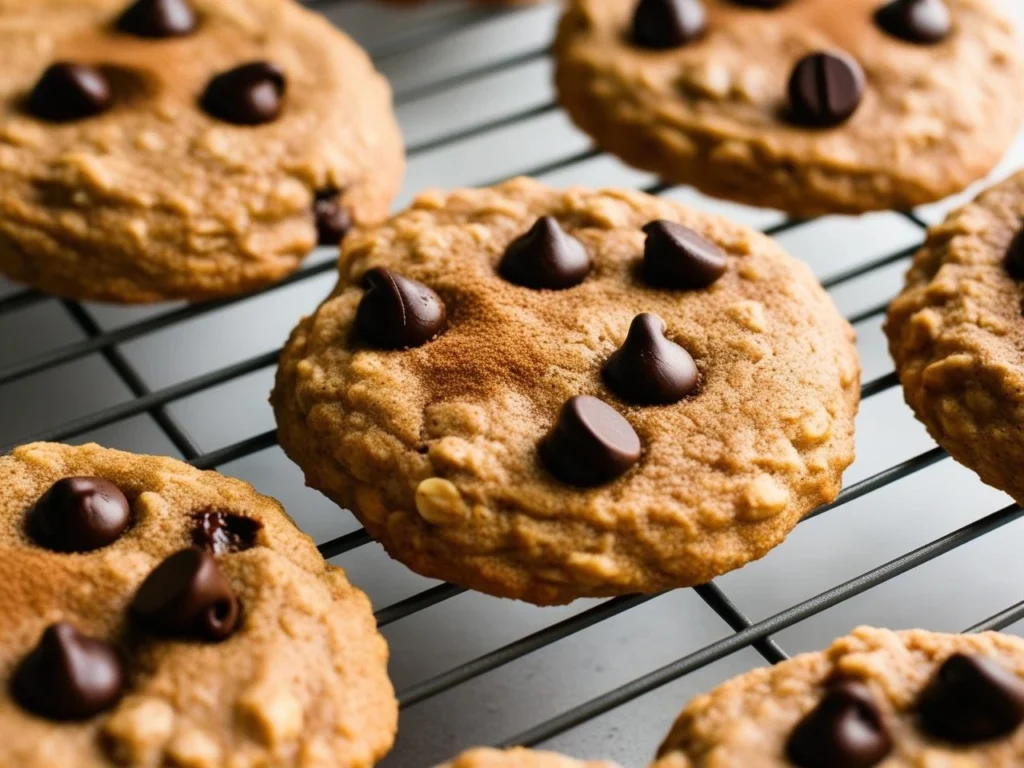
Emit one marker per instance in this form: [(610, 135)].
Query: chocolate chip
[(1013, 262), (158, 18), (845, 730), (677, 257), (971, 698), (187, 595), (79, 514), (247, 95), (661, 24), (545, 257), (223, 532), (591, 443), (398, 313), (825, 89), (648, 368), (332, 221), (916, 21), (69, 91), (68, 675)]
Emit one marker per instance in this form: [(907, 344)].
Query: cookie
[(795, 105), (547, 394), (956, 332), (517, 757), (893, 699), (158, 615), (183, 149)]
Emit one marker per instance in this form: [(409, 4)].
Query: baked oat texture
[(435, 448), (155, 199), (957, 336), (517, 757), (746, 722), (711, 113), (302, 682)]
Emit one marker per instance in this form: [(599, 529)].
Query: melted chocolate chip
[(649, 369), (68, 675), (545, 257), (158, 18), (661, 24), (79, 514), (187, 595), (591, 443), (845, 730), (1013, 262), (69, 91), (677, 257), (916, 21), (251, 94), (332, 221), (970, 699), (223, 532), (398, 313), (825, 89)]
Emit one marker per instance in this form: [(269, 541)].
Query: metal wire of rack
[(442, 58)]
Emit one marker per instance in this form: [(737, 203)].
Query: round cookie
[(199, 627), (665, 410), (517, 757), (183, 149), (718, 94), (956, 332), (893, 699)]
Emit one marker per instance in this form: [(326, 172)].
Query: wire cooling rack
[(913, 539)]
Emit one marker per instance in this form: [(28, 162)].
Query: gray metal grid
[(913, 540)]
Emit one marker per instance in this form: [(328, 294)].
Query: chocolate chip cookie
[(157, 615), (518, 757), (548, 394), (895, 699), (956, 334), (166, 149), (802, 106)]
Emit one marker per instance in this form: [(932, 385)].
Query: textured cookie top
[(518, 757), (957, 334), (715, 110), (299, 681), (157, 197), (893, 699), (436, 447)]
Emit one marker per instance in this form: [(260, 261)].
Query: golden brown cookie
[(548, 394), (875, 698), (809, 106), (183, 148), (517, 757), (956, 333), (157, 615)]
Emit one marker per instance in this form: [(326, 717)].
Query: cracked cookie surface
[(300, 681), (436, 448)]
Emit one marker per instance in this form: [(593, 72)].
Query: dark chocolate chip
[(648, 368), (825, 89), (251, 94), (68, 675), (545, 257), (223, 532), (661, 24), (677, 257), (187, 595), (158, 18), (971, 698), (1013, 262), (398, 313), (845, 730), (590, 444), (69, 91), (79, 514), (916, 21), (332, 221)]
